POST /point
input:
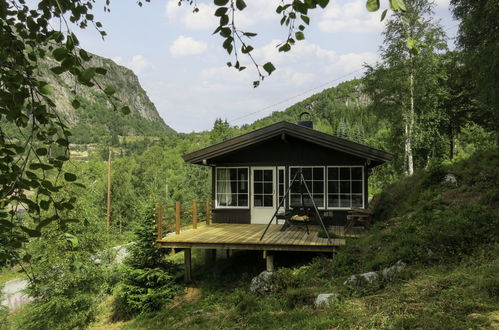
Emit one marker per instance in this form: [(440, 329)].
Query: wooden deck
[(247, 237)]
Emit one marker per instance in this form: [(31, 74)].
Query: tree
[(478, 37), (400, 86)]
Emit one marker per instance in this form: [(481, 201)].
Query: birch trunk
[(410, 127)]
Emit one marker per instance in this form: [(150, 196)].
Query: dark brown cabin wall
[(277, 152), (231, 216)]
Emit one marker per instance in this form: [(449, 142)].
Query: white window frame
[(324, 192), (248, 184), (363, 186)]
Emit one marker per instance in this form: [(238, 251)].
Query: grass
[(9, 274)]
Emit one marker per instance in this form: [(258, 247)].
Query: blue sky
[(181, 65)]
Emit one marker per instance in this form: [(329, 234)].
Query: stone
[(13, 296), (450, 178), (262, 284), (326, 299), (368, 278), (371, 278)]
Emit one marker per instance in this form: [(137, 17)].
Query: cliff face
[(95, 120)]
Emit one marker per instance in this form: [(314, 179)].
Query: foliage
[(147, 281), (68, 272), (477, 37)]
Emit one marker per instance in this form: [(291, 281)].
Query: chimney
[(306, 123)]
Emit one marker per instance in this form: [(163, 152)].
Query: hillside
[(446, 233), (96, 121)]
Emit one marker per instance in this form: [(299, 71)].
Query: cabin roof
[(284, 128)]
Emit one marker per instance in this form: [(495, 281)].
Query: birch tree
[(404, 77)]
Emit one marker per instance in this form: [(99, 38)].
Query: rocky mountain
[(96, 121)]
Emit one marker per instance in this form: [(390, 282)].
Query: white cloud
[(185, 46), (256, 12), (351, 16), (201, 20), (139, 63)]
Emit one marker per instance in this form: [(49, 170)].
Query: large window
[(232, 187), (314, 179), (345, 187)]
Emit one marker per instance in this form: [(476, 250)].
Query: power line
[(311, 89), (294, 96)]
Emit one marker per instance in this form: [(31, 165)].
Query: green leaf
[(86, 75), (246, 49), (6, 224), (285, 48), (62, 142), (383, 15), (44, 205), (58, 69), (220, 2), (224, 20), (31, 232), (70, 177), (305, 19), (71, 239), (41, 151), (299, 35), (323, 3), (109, 90), (401, 5), (269, 67), (240, 4), (372, 5), (221, 11), (60, 53), (84, 55), (249, 34), (45, 89), (100, 71)]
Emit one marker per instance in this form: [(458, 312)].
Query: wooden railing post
[(159, 221), (177, 218), (208, 211), (194, 214)]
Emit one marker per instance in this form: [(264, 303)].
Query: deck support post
[(187, 265), (270, 262), (210, 256)]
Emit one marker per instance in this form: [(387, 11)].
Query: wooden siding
[(231, 216)]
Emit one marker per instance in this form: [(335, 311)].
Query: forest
[(435, 109)]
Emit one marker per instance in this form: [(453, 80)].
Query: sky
[(182, 65)]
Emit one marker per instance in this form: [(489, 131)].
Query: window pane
[(344, 187), (318, 174), (344, 200), (356, 200), (258, 188), (356, 173), (292, 173), (222, 174), (319, 200), (345, 173), (267, 175), (357, 187), (281, 190), (307, 173), (281, 176), (333, 187), (233, 174), (242, 187), (332, 173), (258, 200), (295, 200), (258, 175), (267, 188), (333, 200), (318, 187), (307, 201), (233, 186), (242, 174), (268, 200)]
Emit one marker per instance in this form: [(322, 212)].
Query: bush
[(147, 281)]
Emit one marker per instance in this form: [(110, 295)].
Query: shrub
[(147, 281)]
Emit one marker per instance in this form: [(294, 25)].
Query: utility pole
[(108, 216)]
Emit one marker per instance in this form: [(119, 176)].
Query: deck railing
[(172, 218)]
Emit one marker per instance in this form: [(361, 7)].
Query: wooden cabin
[(252, 181), (252, 172)]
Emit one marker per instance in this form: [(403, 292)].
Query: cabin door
[(263, 197)]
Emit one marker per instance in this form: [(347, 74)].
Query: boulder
[(263, 283), (371, 278), (364, 279), (326, 299)]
